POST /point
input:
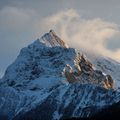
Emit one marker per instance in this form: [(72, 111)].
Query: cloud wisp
[(88, 35)]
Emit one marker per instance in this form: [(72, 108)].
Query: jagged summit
[(51, 40)]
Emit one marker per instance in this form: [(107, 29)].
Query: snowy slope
[(47, 73), (73, 100)]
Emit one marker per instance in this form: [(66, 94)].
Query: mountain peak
[(52, 32), (51, 40)]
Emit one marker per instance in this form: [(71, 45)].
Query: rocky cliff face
[(49, 74), (108, 66)]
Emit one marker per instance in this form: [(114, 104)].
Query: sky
[(90, 25)]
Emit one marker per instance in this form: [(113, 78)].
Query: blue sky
[(90, 21)]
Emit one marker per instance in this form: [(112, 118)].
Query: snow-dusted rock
[(107, 66)]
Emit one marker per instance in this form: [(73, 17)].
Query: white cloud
[(90, 35)]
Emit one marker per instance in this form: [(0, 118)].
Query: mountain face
[(50, 80), (111, 67)]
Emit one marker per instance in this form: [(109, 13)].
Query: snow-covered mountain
[(50, 80)]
